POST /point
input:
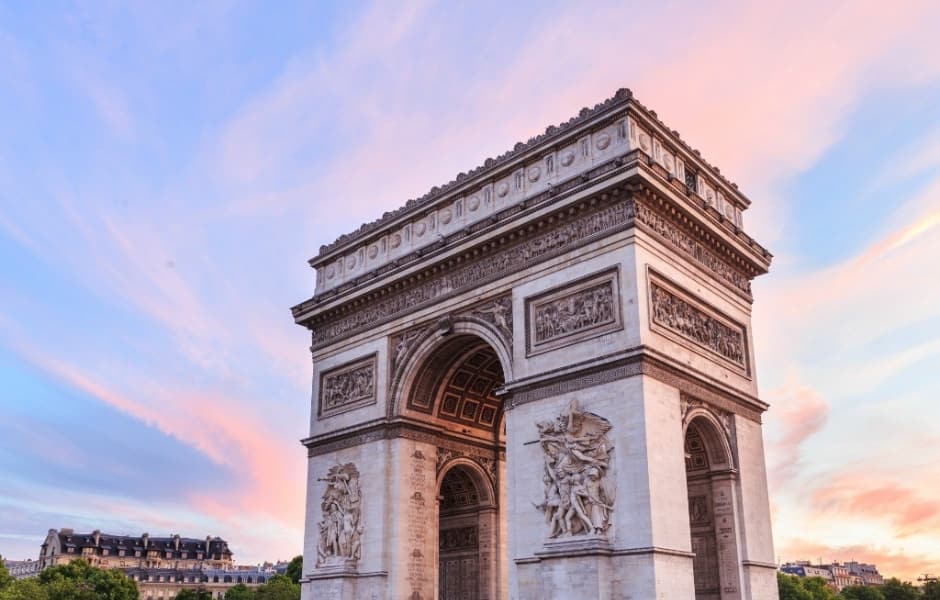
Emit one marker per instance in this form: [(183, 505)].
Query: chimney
[(145, 539), (97, 535)]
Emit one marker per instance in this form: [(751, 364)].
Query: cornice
[(646, 131)]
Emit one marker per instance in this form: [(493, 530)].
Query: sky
[(166, 169)]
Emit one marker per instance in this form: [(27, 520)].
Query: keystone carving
[(579, 497), (340, 530)]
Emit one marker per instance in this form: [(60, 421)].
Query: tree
[(6, 580), (278, 587), (199, 593), (861, 592), (791, 588), (78, 580), (895, 589), (240, 592), (24, 589), (931, 590), (818, 588), (295, 569)]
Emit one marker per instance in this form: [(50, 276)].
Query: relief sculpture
[(674, 313), (579, 496), (340, 529), (347, 387), (573, 313)]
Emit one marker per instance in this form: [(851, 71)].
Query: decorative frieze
[(348, 387), (340, 539), (565, 234), (458, 538), (576, 312), (675, 311), (579, 496), (678, 239)]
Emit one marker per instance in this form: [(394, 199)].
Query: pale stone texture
[(651, 383)]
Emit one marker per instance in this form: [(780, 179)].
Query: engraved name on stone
[(692, 323), (579, 495), (340, 541), (515, 258), (347, 387), (576, 312)]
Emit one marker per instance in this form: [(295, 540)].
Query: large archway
[(710, 479), (451, 385)]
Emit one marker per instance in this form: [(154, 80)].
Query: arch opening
[(710, 482), (466, 526)]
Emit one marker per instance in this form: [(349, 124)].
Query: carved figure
[(578, 496), (581, 310), (340, 529), (500, 314), (680, 316), (348, 387)]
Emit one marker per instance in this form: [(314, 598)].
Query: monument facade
[(537, 382)]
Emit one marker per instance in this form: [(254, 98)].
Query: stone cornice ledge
[(640, 360), (603, 551)]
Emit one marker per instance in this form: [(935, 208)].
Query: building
[(161, 566), (538, 381), (110, 551), (804, 569), (867, 573), (839, 575), (21, 569)]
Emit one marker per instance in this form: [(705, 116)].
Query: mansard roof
[(552, 134), (69, 538)]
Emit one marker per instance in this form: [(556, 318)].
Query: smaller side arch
[(714, 434), (481, 480)]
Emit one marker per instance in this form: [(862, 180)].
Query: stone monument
[(537, 382)]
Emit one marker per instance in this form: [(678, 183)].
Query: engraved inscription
[(579, 496), (676, 314), (348, 387), (512, 259), (340, 530), (585, 309)]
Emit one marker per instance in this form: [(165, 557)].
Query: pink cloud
[(890, 562), (797, 413)]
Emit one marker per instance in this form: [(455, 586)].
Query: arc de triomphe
[(537, 382)]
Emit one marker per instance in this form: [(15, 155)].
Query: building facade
[(538, 381), (21, 569), (161, 566)]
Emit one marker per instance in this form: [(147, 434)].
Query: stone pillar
[(724, 501)]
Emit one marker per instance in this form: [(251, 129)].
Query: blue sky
[(167, 169)]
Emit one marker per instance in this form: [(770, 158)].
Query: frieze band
[(675, 311), (573, 313), (566, 235)]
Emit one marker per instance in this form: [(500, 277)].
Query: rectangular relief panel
[(347, 387), (680, 316), (575, 312)]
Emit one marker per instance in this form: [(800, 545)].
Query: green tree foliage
[(818, 588), (791, 588), (240, 592), (80, 581), (278, 587), (895, 589), (6, 580), (199, 593), (861, 592), (295, 569), (24, 589)]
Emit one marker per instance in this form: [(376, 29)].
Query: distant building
[(161, 566), (126, 552), (866, 572), (838, 575), (21, 569)]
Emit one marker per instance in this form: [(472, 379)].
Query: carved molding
[(348, 387), (679, 314), (674, 236), (486, 463), (579, 495), (340, 539), (563, 235), (573, 313), (632, 366)]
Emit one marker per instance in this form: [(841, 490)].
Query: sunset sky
[(166, 170)]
